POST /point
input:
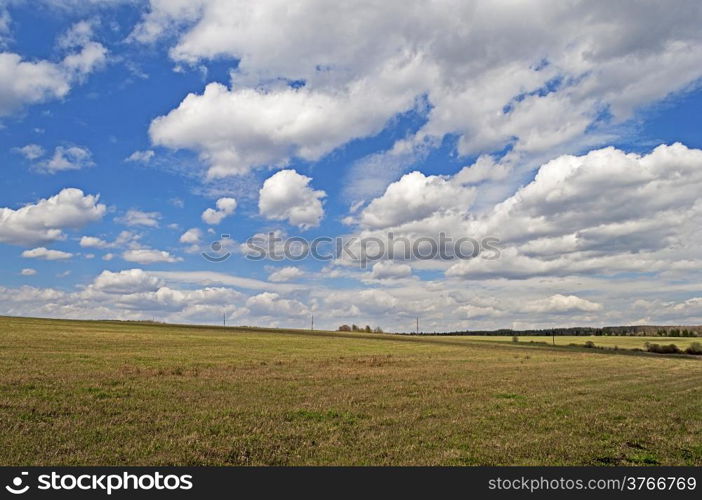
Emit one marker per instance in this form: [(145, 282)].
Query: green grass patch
[(509, 396)]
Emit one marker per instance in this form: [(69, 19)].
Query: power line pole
[(224, 318), (313, 322), (417, 325)]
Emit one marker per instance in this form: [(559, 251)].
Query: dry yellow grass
[(119, 393)]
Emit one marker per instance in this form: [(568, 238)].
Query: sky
[(145, 143)]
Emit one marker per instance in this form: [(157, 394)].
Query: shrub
[(515, 338), (344, 328), (590, 344), (663, 349), (694, 348)]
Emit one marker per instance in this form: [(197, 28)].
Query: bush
[(344, 328), (515, 338), (694, 348), (663, 349), (590, 344)]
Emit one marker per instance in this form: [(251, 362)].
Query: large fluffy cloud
[(28, 82), (561, 304), (603, 212), (46, 220), (494, 73), (414, 197), (235, 130), (128, 281), (287, 195)]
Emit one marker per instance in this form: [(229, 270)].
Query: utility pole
[(417, 325), (313, 322), (224, 318)]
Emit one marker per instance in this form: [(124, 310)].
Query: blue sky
[(572, 137)]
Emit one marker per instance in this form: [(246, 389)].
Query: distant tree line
[(356, 328)]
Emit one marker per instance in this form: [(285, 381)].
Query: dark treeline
[(636, 331)]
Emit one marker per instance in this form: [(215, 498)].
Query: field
[(598, 340), (109, 393)]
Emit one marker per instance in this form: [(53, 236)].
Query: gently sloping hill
[(133, 393)]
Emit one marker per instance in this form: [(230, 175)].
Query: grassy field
[(110, 393), (599, 340)]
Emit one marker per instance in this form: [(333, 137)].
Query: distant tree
[(355, 328), (378, 330), (344, 328), (368, 329)]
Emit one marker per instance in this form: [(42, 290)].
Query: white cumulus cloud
[(66, 158), (191, 236), (495, 73), (24, 82), (287, 195), (148, 256), (225, 208), (127, 281), (414, 197), (563, 304), (46, 220), (46, 254), (31, 151)]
